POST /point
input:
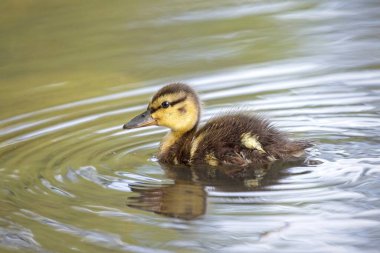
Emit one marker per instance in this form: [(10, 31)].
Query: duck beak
[(142, 120)]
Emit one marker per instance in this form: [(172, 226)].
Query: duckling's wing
[(242, 139)]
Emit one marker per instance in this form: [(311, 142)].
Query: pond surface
[(72, 74)]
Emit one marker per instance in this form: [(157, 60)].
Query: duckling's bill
[(142, 120)]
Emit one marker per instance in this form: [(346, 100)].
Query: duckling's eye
[(165, 104)]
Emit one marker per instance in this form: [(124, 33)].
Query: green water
[(71, 74)]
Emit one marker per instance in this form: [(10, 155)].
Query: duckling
[(239, 139)]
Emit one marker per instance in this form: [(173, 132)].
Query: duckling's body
[(232, 139)]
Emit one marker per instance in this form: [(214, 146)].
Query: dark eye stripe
[(153, 110), (178, 101)]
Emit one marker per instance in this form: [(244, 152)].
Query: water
[(71, 75)]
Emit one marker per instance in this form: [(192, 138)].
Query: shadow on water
[(186, 197)]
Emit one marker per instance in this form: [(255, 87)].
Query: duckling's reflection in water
[(187, 197), (183, 200)]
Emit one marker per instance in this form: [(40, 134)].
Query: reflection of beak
[(142, 120)]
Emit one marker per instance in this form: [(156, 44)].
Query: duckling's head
[(175, 106)]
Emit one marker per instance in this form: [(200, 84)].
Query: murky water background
[(72, 74)]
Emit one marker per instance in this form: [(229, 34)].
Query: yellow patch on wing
[(211, 159), (195, 144), (251, 142), (175, 160)]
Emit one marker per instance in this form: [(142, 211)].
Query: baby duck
[(237, 139)]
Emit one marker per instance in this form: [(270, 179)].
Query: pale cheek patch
[(251, 142)]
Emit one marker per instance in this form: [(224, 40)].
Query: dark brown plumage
[(223, 139), (239, 139), (173, 89)]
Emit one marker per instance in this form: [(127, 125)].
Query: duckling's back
[(242, 139)]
